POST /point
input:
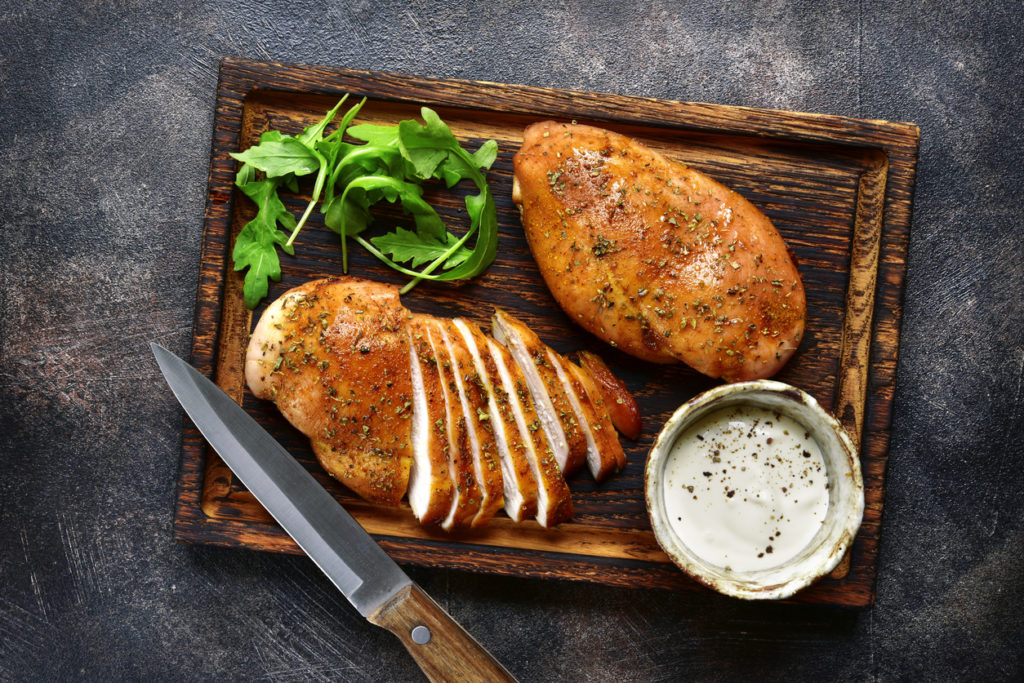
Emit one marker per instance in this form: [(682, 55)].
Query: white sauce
[(746, 488)]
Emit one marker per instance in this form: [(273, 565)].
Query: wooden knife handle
[(449, 653)]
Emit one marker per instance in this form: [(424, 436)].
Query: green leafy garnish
[(278, 158), (255, 247), (390, 166), (404, 245)]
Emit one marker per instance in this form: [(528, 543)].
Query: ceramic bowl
[(845, 492)]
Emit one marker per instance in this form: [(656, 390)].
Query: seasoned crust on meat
[(334, 357), (655, 257)]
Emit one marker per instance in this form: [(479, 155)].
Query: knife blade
[(374, 584)]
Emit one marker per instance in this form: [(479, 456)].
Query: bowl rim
[(810, 564)]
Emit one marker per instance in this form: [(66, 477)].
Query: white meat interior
[(468, 413), (513, 496), (421, 473), (582, 417), (541, 400)]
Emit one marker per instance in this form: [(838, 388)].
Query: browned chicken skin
[(301, 356), (654, 257)]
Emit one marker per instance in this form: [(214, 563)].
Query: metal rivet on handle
[(421, 635)]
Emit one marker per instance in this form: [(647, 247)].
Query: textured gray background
[(106, 113)]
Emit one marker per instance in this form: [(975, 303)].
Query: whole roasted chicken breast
[(655, 257)]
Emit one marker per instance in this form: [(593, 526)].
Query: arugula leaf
[(334, 145), (426, 145), (280, 157), (352, 215), (271, 136), (312, 138), (246, 174), (416, 141), (290, 182), (313, 134), (317, 188), (485, 156), (404, 245), (367, 160), (255, 246), (428, 223), (377, 136)]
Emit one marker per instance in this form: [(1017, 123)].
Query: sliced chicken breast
[(466, 494), (554, 501), (621, 405), (519, 483), (473, 398), (397, 403), (557, 416), (604, 452)]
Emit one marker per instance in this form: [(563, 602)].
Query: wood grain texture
[(838, 189), (450, 653)]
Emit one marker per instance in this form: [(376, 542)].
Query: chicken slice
[(465, 503), (613, 458), (334, 356), (430, 480), (556, 414), (604, 452), (486, 462), (554, 501), (654, 257), (622, 407), (520, 486)]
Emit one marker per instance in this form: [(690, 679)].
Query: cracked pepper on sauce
[(746, 488)]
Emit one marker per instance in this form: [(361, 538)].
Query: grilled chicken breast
[(396, 402), (487, 473), (655, 257), (466, 498), (604, 452), (612, 393)]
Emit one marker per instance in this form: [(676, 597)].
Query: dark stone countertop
[(107, 111)]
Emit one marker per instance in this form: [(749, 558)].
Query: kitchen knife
[(353, 561)]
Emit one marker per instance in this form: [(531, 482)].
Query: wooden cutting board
[(838, 189)]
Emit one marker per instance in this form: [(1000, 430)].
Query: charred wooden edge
[(499, 561), (205, 496), (537, 101), (213, 265), (882, 352)]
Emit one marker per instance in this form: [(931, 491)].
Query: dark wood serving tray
[(838, 189)]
